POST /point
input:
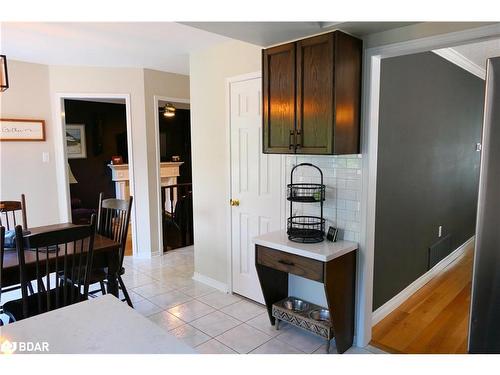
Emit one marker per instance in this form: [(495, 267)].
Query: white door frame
[(61, 153), (229, 211), (371, 89), (156, 101)]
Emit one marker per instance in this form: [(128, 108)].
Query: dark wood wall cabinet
[(312, 96)]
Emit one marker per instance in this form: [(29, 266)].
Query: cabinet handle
[(286, 262), (290, 141), (299, 138)]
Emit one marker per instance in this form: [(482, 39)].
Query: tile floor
[(210, 321)]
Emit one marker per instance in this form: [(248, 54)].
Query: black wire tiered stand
[(303, 228)]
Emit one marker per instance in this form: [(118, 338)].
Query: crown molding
[(460, 60)]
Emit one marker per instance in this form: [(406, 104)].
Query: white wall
[(32, 94), (171, 85), (208, 72), (21, 166), (342, 177), (92, 80)]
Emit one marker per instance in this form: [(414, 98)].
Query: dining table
[(102, 325), (106, 255)]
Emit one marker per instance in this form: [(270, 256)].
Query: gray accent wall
[(428, 167)]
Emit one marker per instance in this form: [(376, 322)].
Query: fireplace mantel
[(169, 171)]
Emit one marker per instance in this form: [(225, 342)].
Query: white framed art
[(76, 144), (22, 130)]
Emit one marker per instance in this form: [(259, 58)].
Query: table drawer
[(291, 263)]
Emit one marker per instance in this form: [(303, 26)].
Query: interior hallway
[(435, 319)]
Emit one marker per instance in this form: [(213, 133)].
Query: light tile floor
[(210, 321)]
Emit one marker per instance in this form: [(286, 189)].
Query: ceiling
[(269, 33), (166, 46), (478, 53), (155, 45)]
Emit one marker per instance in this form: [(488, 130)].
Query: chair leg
[(103, 287), (125, 293)]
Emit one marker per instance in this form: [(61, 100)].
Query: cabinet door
[(348, 57), (278, 66), (315, 95)]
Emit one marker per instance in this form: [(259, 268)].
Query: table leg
[(274, 285), (112, 272), (340, 288)]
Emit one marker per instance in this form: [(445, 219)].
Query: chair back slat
[(113, 221), (9, 211), (70, 275)]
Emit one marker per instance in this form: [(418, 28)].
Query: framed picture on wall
[(76, 144), (22, 130)]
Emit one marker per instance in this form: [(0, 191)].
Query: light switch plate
[(45, 157)]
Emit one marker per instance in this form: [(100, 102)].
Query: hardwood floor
[(435, 319), (128, 246)]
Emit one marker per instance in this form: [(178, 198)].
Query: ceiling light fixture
[(169, 110), (4, 77)]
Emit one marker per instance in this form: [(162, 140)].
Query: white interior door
[(255, 183)]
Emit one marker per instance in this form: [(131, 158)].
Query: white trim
[(460, 60), (283, 201), (365, 258), (60, 153), (211, 282), (156, 100), (371, 90), (407, 292), (229, 212), (430, 43)]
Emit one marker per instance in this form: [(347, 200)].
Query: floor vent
[(439, 250)]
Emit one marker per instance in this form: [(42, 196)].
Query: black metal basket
[(306, 193), (303, 228), (306, 229)]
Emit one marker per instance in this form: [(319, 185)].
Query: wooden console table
[(333, 264)]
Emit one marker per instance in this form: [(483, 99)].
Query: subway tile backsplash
[(342, 177)]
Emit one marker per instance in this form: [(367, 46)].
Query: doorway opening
[(94, 130), (429, 141), (176, 190)]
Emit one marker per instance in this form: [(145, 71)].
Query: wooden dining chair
[(59, 262), (8, 211), (113, 221), (5, 317)]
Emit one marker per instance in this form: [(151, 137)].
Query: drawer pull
[(286, 262)]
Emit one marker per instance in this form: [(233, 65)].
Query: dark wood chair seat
[(99, 274), (15, 307), (8, 211), (96, 275), (9, 220)]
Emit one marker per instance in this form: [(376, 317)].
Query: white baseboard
[(210, 282), (406, 293)]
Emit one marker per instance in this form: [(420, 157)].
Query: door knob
[(234, 202)]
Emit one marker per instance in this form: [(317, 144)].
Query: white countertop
[(102, 325), (323, 251)]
